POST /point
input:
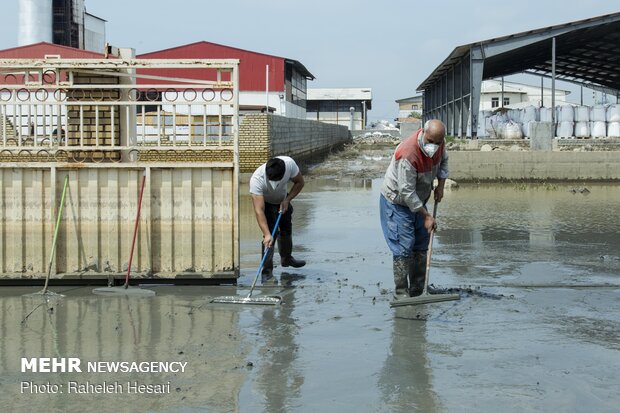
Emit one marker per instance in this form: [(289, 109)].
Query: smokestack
[(35, 22)]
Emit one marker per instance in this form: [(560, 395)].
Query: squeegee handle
[(260, 267), (273, 234), (430, 250), (135, 231)]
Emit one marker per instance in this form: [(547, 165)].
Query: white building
[(344, 106), (517, 95)]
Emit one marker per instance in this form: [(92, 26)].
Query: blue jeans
[(403, 230)]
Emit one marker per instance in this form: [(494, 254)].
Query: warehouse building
[(584, 52), (344, 106), (266, 82)]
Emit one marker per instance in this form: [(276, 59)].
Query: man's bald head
[(434, 131)]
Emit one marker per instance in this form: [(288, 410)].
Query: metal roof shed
[(585, 52)]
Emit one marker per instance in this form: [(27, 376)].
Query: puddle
[(536, 329)]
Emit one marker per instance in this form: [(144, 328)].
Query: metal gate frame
[(83, 113)]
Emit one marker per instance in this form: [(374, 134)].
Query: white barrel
[(598, 129), (613, 113), (598, 113), (582, 114), (613, 130), (582, 129)]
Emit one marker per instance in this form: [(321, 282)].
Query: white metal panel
[(35, 22), (186, 225)]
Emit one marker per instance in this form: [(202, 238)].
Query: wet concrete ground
[(537, 327)]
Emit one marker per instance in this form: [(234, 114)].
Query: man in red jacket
[(406, 188)]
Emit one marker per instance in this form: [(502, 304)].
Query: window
[(506, 101), (298, 87), (494, 102)]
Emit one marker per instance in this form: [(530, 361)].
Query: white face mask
[(274, 184), (430, 149)]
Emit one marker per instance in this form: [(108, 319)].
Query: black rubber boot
[(417, 273), (285, 246), (267, 271), (401, 270)]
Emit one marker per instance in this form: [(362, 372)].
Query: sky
[(390, 46)]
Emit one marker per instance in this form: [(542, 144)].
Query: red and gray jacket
[(409, 178)]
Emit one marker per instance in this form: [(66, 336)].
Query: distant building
[(62, 22), (344, 106), (283, 92), (516, 95), (408, 105)]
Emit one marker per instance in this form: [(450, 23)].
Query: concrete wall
[(408, 128), (262, 136), (186, 226), (499, 165)]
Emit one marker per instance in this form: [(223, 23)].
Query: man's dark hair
[(275, 169)]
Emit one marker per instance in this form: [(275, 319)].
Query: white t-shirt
[(260, 185)]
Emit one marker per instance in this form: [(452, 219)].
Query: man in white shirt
[(270, 195)]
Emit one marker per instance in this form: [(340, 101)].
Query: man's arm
[(259, 210), (407, 178), (442, 174), (298, 184)]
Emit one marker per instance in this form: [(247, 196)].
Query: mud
[(536, 329)]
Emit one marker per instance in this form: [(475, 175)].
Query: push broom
[(55, 239), (426, 297), (265, 300), (125, 290)]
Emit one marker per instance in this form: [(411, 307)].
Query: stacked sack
[(582, 122), (565, 122), (598, 117), (600, 121), (613, 121), (501, 126), (529, 115)]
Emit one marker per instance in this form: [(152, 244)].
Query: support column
[(552, 87), (475, 81), (128, 127)]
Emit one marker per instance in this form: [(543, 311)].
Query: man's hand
[(439, 193), (429, 223), (284, 206), (268, 241)]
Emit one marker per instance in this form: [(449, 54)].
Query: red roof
[(40, 50), (251, 65)]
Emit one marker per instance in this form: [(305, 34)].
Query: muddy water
[(536, 329)]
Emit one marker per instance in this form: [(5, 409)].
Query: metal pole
[(502, 105), (363, 114), (581, 96), (552, 86), (266, 88), (542, 92)]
